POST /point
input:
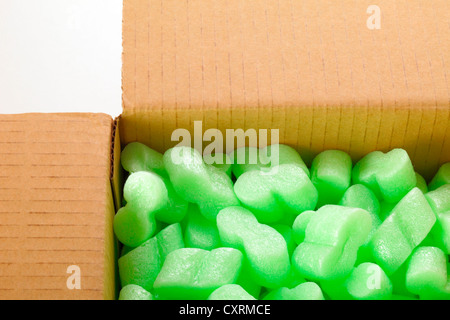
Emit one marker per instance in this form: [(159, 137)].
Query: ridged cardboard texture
[(319, 71), (56, 207)]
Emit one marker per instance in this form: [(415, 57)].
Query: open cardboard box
[(320, 72)]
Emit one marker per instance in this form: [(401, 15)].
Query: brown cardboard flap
[(312, 69), (56, 206), (230, 54)]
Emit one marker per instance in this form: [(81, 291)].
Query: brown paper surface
[(56, 206)]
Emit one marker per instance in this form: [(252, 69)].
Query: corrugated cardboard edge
[(423, 132), (117, 187), (116, 169)]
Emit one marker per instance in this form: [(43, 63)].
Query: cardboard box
[(321, 72), (312, 69)]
